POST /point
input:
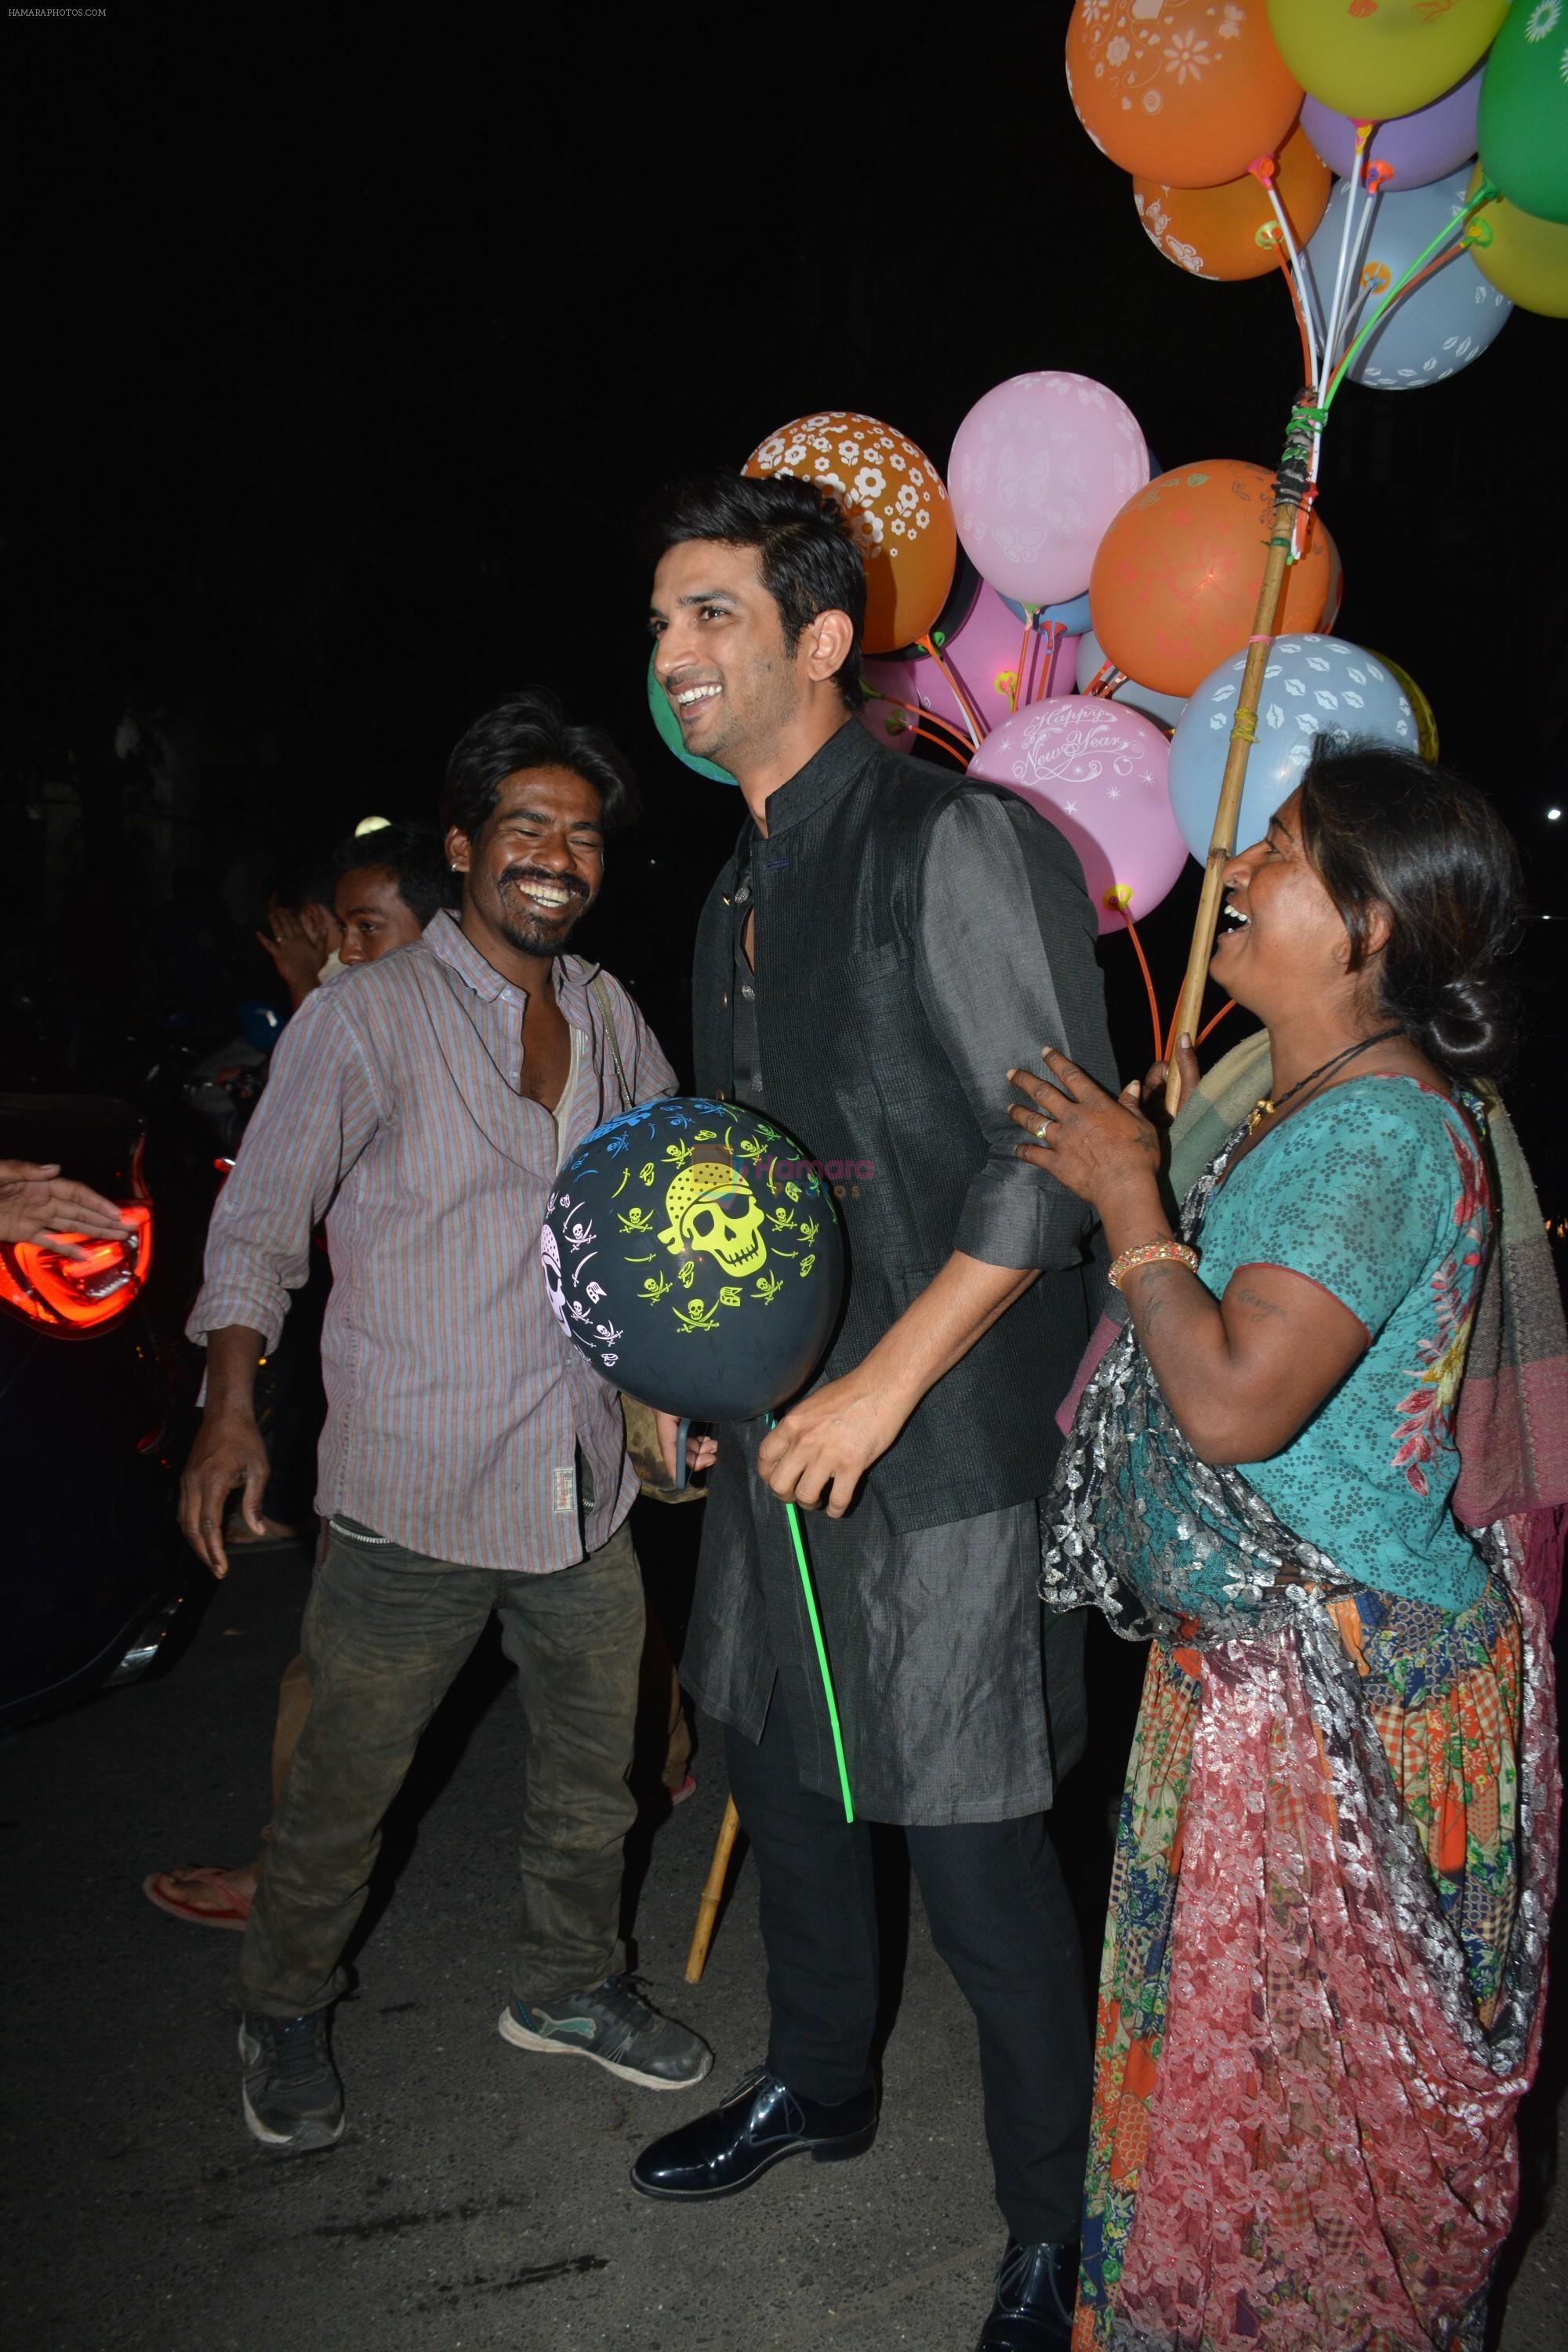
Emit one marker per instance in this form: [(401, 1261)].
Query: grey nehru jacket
[(456, 1404), (916, 936)]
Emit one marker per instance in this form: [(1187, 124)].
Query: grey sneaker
[(615, 2027), (293, 2097)]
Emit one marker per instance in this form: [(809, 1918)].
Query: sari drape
[(1325, 1956)]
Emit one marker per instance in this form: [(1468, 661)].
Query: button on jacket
[(455, 1403)]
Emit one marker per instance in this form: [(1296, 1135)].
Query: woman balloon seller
[(1320, 1995)]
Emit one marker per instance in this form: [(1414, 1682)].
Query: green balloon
[(1523, 127), (668, 727)]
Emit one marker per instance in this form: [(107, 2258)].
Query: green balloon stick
[(806, 1585)]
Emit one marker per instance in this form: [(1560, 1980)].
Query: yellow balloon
[(1523, 257), (1426, 723), (1373, 59)]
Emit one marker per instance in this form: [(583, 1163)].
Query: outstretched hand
[(38, 1204)]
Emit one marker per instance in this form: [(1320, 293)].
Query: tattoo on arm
[(1154, 1293), (1259, 1306)]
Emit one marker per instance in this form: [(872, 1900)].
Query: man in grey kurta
[(885, 943)]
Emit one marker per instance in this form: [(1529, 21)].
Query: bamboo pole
[(1290, 490), (712, 1895)]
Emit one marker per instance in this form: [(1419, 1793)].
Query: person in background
[(377, 906), (305, 934), (472, 1461), (1325, 1962), (387, 886), (376, 892)]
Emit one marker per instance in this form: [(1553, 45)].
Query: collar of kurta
[(824, 776), (450, 944)]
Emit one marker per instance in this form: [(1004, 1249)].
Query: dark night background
[(333, 423), (342, 348)]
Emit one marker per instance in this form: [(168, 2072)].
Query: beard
[(531, 931)]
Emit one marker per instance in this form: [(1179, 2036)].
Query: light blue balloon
[(670, 735), (1073, 615), (1314, 690), (1164, 708), (1437, 328)]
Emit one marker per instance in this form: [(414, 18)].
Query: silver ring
[(1040, 1130)]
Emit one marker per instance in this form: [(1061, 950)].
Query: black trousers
[(1001, 1918)]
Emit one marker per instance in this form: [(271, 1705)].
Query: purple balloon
[(1421, 146), (1101, 773)]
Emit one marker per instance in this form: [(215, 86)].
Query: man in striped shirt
[(471, 1459)]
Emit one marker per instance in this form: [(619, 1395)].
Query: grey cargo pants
[(386, 1632)]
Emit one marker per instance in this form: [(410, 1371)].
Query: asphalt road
[(480, 2197)]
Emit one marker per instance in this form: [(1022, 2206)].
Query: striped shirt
[(455, 1403)]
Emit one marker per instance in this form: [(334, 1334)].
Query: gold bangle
[(1148, 1253)]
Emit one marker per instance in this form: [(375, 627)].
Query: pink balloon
[(1099, 772), (1039, 467), (983, 655)]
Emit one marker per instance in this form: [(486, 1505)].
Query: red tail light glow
[(77, 1293)]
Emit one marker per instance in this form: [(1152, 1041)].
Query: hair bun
[(1468, 1025)]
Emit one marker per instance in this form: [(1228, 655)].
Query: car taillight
[(78, 1294)]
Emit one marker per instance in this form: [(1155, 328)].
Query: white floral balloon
[(1314, 688)]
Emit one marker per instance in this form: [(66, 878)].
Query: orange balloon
[(896, 505), (1176, 583), (1231, 231), (1186, 93)]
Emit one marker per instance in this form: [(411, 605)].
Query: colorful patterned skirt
[(1321, 1989)]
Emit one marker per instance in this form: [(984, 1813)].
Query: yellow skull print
[(711, 1207)]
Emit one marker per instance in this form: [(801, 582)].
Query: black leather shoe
[(760, 2123), (1036, 2287)]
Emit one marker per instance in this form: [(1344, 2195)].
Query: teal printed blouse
[(1378, 1193)]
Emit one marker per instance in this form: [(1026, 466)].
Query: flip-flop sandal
[(164, 1888)]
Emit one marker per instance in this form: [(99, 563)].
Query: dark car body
[(95, 1411)]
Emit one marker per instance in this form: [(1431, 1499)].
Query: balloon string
[(1228, 1006), (1308, 356), (1288, 255), (971, 721), (959, 752), (1484, 195), (1018, 697), (803, 1565), (1335, 310), (1356, 291), (927, 718), (1143, 966), (1057, 631), (1105, 680), (1302, 292), (1440, 261)]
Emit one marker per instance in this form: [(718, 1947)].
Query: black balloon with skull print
[(691, 1249)]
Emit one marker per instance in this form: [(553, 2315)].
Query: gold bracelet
[(1148, 1253)]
